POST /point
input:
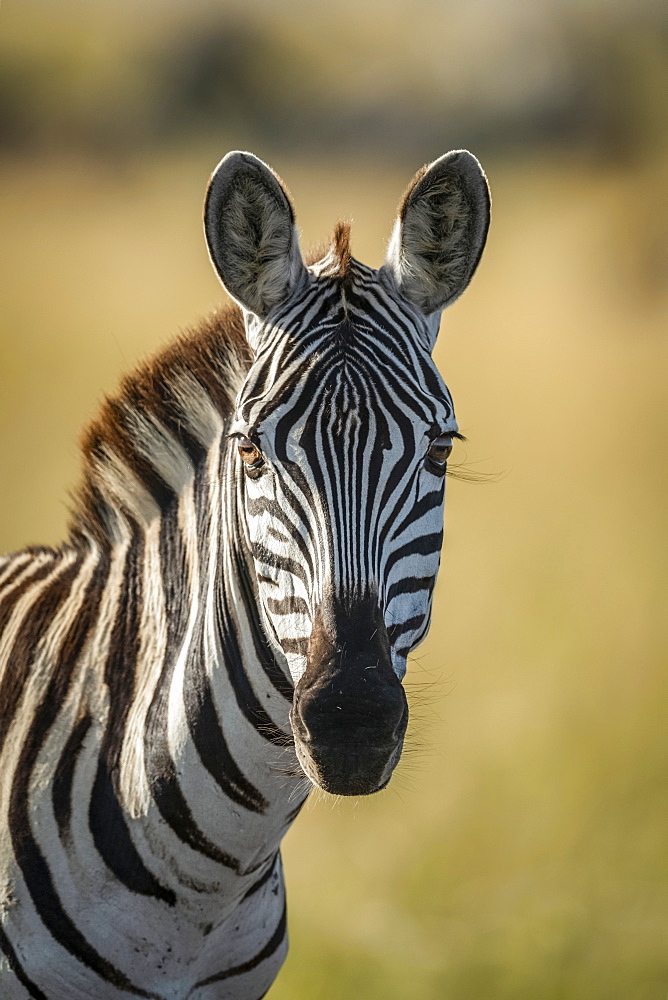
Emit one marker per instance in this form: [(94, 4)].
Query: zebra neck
[(207, 728), (152, 445), (193, 687)]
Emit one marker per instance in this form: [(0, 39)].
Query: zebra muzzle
[(349, 712)]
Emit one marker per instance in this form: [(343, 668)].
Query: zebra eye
[(250, 455), (439, 450)]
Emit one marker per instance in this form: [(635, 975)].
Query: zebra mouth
[(350, 769), (344, 754)]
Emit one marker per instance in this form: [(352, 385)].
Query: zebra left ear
[(440, 231), (250, 231)]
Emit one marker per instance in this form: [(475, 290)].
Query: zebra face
[(343, 444), (342, 433)]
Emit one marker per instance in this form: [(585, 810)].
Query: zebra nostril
[(345, 709)]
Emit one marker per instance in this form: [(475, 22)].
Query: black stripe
[(276, 677), (160, 767), (124, 642), (61, 788), (403, 502), (256, 886), (419, 636), (34, 624), (429, 502), (396, 475), (269, 558), (271, 946), (298, 646), (106, 818), (175, 584), (168, 410), (123, 442), (210, 742), (388, 357), (398, 345), (394, 631), (175, 811), (288, 606), (249, 704), (111, 836), (56, 919), (425, 545), (411, 585), (261, 505), (18, 970), (14, 573), (360, 471)]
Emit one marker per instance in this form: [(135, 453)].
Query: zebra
[(252, 555)]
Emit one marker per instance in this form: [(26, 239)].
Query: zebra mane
[(147, 439)]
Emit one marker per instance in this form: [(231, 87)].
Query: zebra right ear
[(440, 231), (250, 232)]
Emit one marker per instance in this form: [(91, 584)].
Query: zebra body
[(252, 556)]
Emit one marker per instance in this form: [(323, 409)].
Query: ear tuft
[(440, 231), (250, 233)]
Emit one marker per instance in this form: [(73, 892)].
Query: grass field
[(520, 852)]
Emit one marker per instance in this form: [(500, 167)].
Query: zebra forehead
[(345, 360), (339, 389)]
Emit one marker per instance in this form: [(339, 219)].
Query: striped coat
[(252, 555)]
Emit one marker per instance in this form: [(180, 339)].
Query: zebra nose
[(351, 707)]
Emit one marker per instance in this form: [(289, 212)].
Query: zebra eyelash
[(436, 432), (247, 432)]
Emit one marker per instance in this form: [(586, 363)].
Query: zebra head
[(342, 430)]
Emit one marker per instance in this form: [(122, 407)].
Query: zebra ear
[(440, 231), (249, 225)]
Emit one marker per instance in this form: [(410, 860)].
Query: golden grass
[(520, 850)]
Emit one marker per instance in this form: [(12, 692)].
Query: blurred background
[(520, 851)]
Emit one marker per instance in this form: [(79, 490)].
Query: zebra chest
[(109, 943)]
